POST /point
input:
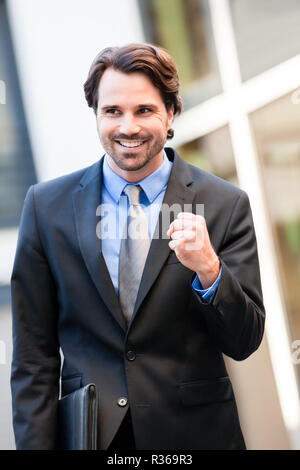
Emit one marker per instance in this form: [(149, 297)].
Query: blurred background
[(239, 67)]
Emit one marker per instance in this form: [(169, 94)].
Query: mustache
[(130, 137)]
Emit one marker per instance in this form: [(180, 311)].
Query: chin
[(133, 167), (131, 163)]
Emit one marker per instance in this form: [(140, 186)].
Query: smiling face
[(132, 123)]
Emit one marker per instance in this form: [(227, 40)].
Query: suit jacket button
[(122, 401), (130, 355)]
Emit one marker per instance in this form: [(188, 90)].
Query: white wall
[(55, 42)]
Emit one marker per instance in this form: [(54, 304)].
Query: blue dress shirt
[(114, 209)]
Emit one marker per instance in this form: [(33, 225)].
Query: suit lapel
[(86, 199), (177, 195)]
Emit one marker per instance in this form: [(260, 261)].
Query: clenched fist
[(191, 243)]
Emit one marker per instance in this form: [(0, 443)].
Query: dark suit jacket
[(174, 378)]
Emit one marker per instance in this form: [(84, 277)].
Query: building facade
[(239, 63)]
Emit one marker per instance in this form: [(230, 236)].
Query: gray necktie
[(135, 245)]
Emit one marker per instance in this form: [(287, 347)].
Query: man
[(144, 315)]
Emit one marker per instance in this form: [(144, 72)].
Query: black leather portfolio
[(78, 414)]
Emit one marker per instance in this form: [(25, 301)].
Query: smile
[(130, 145)]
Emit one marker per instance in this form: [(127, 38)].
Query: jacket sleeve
[(235, 317), (36, 357)]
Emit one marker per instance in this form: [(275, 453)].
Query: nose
[(129, 124)]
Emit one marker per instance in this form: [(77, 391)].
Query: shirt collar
[(152, 185)]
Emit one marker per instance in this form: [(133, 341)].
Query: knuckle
[(200, 218)]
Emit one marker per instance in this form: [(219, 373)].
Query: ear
[(171, 115)]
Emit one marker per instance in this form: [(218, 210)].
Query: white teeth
[(130, 144)]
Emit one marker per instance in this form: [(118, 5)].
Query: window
[(183, 27), (16, 165), (276, 129), (267, 33), (212, 152)]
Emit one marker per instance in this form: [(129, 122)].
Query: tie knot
[(133, 192)]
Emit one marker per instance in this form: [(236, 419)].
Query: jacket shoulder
[(65, 184), (202, 181), (214, 185)]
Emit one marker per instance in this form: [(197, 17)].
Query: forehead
[(116, 88)]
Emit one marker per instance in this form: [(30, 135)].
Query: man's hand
[(191, 243)]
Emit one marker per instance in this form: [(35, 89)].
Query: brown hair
[(153, 61)]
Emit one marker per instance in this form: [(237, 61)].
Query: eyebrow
[(147, 105), (108, 106), (115, 106)]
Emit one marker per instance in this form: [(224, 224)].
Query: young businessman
[(141, 308)]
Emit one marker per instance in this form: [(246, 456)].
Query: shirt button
[(122, 401), (130, 355)]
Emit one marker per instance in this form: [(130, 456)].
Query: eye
[(113, 111), (145, 110)]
